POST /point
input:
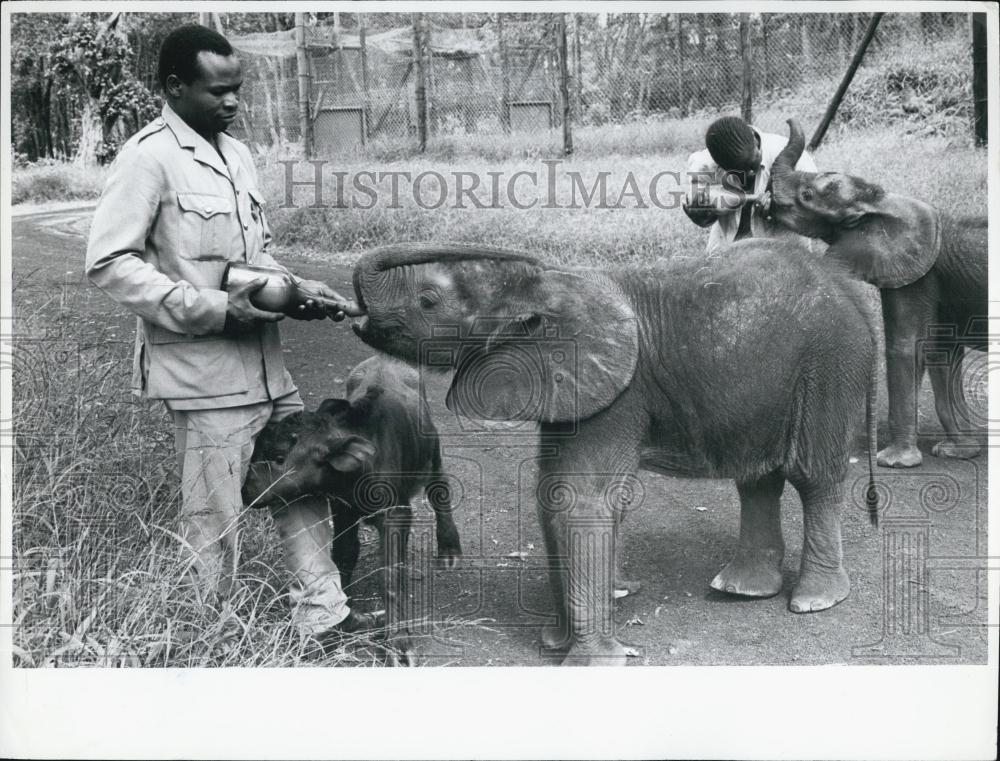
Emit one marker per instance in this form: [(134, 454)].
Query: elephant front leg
[(823, 582), (755, 570), (580, 533), (438, 494), (394, 532), (946, 381), (905, 311), (623, 587)]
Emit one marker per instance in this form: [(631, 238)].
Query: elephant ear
[(890, 242), (565, 357)]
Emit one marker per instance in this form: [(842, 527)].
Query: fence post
[(421, 93), (831, 109), (577, 70), (746, 53), (979, 76), (504, 77), (366, 102), (680, 65), (302, 62), (564, 86)]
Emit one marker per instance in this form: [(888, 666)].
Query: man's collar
[(188, 138)]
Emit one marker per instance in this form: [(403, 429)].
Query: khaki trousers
[(213, 451)]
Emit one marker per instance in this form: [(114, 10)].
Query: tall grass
[(97, 575), (56, 181)]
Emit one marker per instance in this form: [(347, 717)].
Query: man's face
[(208, 104)]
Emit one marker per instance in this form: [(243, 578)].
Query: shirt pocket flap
[(204, 205), (256, 197)]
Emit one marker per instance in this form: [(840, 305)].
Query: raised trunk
[(372, 266), (783, 169)]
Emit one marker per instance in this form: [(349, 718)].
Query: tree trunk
[(91, 134)]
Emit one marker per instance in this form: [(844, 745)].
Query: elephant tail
[(871, 424)]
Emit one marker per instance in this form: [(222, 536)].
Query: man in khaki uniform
[(729, 175), (180, 203)]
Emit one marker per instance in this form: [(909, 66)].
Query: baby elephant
[(371, 453)]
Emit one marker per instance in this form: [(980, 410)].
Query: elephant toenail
[(731, 588)]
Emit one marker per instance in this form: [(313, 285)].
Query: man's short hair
[(731, 142), (180, 49)]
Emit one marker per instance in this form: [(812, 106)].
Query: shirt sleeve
[(702, 170), (115, 261)]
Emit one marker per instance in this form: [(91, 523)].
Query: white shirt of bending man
[(716, 194)]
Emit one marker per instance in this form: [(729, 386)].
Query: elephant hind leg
[(946, 381), (823, 582), (755, 570)]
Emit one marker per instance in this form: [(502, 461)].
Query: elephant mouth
[(360, 326)]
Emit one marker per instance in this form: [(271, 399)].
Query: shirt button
[(208, 209), (246, 226)]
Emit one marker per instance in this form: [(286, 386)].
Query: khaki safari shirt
[(702, 169), (171, 216)]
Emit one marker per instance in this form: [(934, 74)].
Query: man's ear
[(350, 454), (173, 85)]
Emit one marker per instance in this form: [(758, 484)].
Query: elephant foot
[(556, 637), (819, 590), (607, 652), (900, 456), (751, 573), (448, 558), (963, 448), (400, 650), (626, 588)]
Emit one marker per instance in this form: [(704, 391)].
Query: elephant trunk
[(370, 273), (783, 174)]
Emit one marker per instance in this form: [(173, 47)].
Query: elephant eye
[(428, 299), (280, 459), (807, 194)]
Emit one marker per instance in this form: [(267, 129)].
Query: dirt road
[(905, 594)]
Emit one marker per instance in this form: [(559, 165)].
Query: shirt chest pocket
[(205, 226)]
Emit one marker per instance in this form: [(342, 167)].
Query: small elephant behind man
[(931, 269), (371, 453), (752, 366)]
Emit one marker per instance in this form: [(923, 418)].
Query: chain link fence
[(498, 79)]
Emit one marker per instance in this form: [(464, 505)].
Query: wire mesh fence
[(379, 82), (391, 84)]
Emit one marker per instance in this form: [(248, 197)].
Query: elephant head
[(886, 239), (526, 342)]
